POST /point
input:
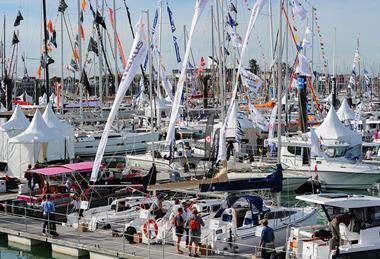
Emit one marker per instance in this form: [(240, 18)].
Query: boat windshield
[(335, 152)]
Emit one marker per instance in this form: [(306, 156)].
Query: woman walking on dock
[(48, 213)]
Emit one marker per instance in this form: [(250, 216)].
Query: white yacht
[(358, 240), (86, 145), (337, 164)]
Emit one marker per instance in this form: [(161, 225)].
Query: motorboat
[(360, 239), (235, 228)]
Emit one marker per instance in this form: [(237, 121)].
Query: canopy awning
[(65, 169)]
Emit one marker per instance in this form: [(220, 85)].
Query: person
[(376, 136), (36, 180), (186, 215), (334, 226), (48, 213), (77, 159), (178, 223), (195, 222), (158, 210), (267, 240), (368, 154), (28, 176)]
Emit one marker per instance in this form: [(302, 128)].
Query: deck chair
[(346, 234)]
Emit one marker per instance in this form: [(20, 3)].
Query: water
[(37, 252)]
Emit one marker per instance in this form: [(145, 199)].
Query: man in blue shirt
[(267, 240), (48, 209)]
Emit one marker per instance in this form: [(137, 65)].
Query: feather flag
[(256, 9), (170, 137), (136, 57), (19, 18)]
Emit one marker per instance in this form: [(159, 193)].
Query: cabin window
[(292, 150), (278, 214), (298, 151), (374, 215)]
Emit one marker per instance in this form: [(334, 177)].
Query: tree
[(254, 66)]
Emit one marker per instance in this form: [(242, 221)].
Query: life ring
[(148, 227)]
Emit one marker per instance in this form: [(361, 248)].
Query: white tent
[(53, 98), (344, 112), (32, 145), (25, 97), (60, 127), (42, 99), (14, 126), (332, 129), (328, 99)]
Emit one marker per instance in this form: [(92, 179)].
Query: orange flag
[(39, 71), (84, 4), (75, 54), (81, 32), (50, 26)]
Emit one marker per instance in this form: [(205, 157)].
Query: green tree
[(254, 66)]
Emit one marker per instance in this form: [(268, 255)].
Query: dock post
[(26, 224), (206, 247)]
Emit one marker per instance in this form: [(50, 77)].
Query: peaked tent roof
[(333, 129), (17, 121), (37, 131), (344, 112), (52, 120)]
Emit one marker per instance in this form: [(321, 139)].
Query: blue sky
[(350, 17)]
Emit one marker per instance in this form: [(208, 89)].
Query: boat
[(361, 241)]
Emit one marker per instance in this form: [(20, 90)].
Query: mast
[(150, 84), (221, 62), (357, 45), (80, 65), (46, 51), (159, 70), (115, 46), (333, 82), (279, 85), (100, 58), (62, 80)]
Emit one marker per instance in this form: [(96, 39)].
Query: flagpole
[(46, 50)]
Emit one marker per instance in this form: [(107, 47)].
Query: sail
[(136, 57)]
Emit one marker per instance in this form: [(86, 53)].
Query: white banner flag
[(258, 118), (136, 57), (358, 116), (271, 123), (252, 81), (303, 67), (256, 9), (165, 82), (299, 10), (199, 6), (236, 39), (315, 150)]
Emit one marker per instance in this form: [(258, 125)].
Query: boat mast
[(150, 58), (115, 46), (333, 83), (80, 66), (159, 70), (279, 85), (221, 62), (62, 81), (100, 58), (46, 51)]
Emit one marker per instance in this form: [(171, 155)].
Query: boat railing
[(30, 220)]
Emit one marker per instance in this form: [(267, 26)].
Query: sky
[(352, 19)]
